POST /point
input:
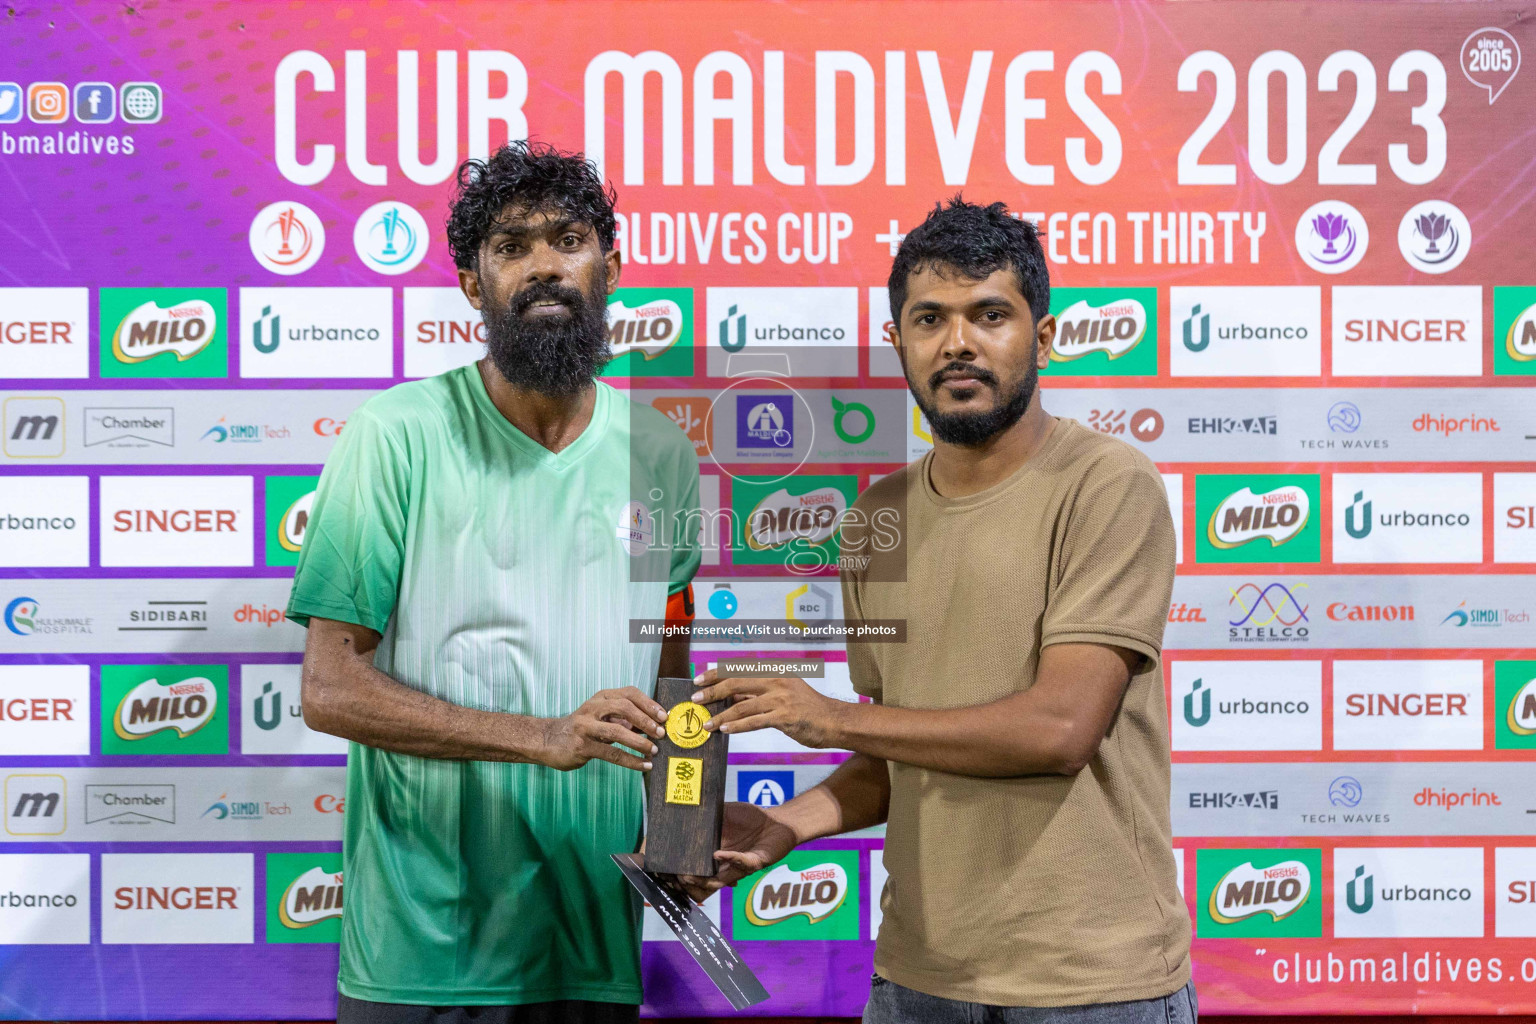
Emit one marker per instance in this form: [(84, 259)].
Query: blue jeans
[(890, 1003)]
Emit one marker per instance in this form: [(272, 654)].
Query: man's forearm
[(857, 795), (371, 708)]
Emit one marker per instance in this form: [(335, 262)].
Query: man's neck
[(553, 421), (958, 471)]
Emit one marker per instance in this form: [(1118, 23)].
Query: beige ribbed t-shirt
[(1040, 890)]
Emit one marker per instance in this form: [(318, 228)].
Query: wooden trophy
[(685, 791)]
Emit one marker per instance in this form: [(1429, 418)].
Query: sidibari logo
[(313, 897), (814, 892), (1246, 891), (1242, 517), (650, 329), (782, 518), (184, 328), (151, 707), (1114, 329)]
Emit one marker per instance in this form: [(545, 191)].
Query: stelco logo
[(150, 707), (1247, 891), (782, 518), (185, 329), (1277, 516), (1114, 329), (783, 893), (313, 897), (651, 328)]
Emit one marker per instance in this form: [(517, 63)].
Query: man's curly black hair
[(976, 241), (526, 176)]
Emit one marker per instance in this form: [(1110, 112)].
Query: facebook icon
[(95, 103), (765, 789)]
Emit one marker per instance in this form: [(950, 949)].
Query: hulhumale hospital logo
[(1332, 236), (287, 238), (21, 616), (390, 238)]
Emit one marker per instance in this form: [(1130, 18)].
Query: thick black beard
[(555, 356), (972, 429)]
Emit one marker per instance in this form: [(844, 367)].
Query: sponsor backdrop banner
[(1290, 251)]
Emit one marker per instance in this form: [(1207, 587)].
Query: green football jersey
[(503, 576)]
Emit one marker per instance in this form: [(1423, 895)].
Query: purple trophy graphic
[(1432, 227), (1331, 226)]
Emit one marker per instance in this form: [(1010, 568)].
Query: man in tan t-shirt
[(1017, 743)]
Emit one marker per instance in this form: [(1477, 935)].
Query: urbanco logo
[(316, 332), (1246, 331), (1418, 892)]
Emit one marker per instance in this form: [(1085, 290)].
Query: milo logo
[(184, 328), (814, 893), (150, 707), (1279, 891), (290, 529), (653, 327), (1276, 516), (650, 329), (1114, 329), (781, 518), (313, 897), (1520, 339)]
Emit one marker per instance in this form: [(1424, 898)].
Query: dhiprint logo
[(1246, 332), (1247, 705), (1272, 613), (390, 238), (287, 238), (1257, 518), (1253, 893), (1332, 236), (1104, 331), (1418, 892), (1434, 236)]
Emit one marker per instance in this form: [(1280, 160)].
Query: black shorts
[(564, 1011)]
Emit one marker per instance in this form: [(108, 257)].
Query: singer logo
[(287, 238)]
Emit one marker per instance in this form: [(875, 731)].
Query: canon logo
[(180, 897), (1411, 704), (327, 427), (179, 520), (1338, 611), (36, 332), (327, 803), (37, 709), (1426, 330)]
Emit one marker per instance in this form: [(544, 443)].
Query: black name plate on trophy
[(685, 792)]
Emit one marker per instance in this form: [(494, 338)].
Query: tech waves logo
[(1259, 518), (1246, 891), (152, 707), (183, 329), (1269, 614), (814, 893), (1104, 331)]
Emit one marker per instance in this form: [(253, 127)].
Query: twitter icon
[(10, 103)]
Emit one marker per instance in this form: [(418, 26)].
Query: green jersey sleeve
[(354, 546)]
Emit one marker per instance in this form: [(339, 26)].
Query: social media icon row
[(92, 102)]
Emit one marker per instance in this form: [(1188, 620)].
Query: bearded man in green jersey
[(468, 577)]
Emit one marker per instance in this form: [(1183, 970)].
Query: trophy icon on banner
[(1433, 227), (1330, 226)]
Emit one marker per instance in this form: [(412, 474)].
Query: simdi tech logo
[(290, 501), (164, 332), (1259, 517), (811, 894), (1514, 331), (1104, 331), (1259, 893), (650, 331), (164, 709), (304, 893)]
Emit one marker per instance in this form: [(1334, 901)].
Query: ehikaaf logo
[(151, 707), (814, 893), (1259, 518)]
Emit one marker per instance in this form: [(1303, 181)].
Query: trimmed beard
[(972, 429), (558, 356)]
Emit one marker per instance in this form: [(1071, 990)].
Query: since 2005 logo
[(1258, 518)]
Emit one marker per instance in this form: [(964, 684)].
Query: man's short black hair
[(531, 176), (976, 241)]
